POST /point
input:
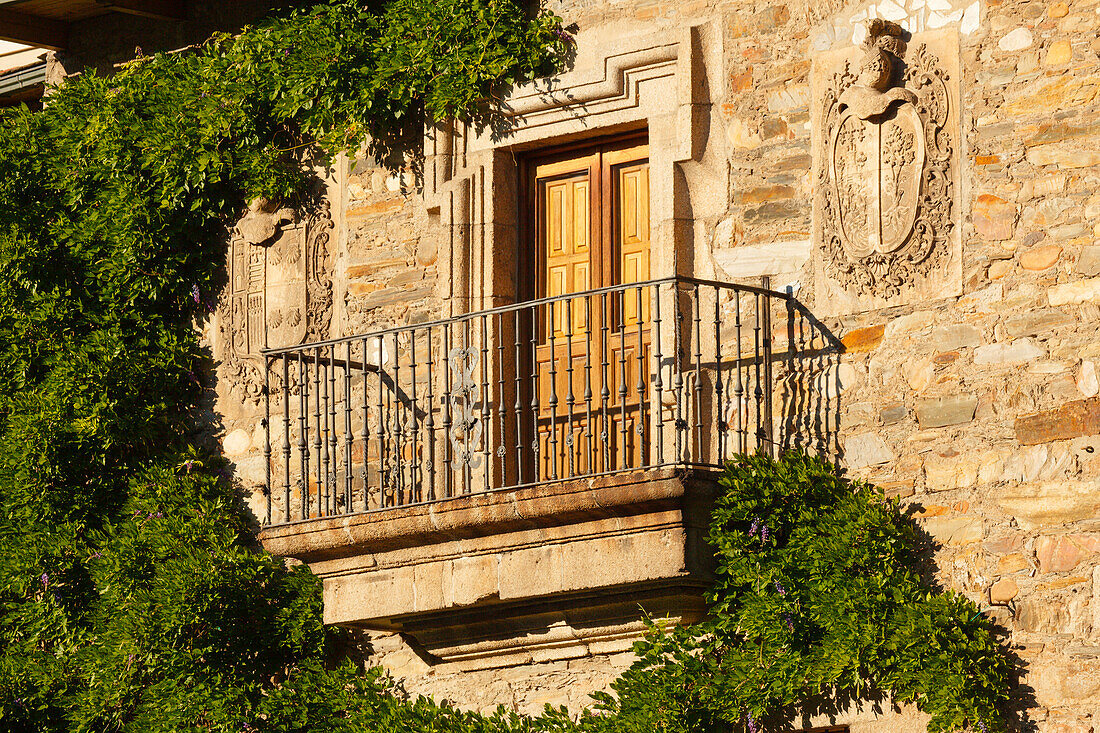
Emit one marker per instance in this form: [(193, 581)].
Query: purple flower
[(196, 294), (755, 526), (983, 727), (790, 623), (44, 580), (764, 533), (564, 37), (752, 724), (779, 587)]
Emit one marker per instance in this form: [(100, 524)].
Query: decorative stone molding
[(886, 171), (664, 83)]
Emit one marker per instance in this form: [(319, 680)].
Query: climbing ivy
[(131, 595), (819, 603)]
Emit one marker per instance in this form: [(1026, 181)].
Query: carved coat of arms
[(279, 291), (885, 184)]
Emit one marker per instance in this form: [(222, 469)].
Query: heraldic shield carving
[(886, 169), (279, 291)]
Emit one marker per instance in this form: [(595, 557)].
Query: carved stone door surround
[(658, 83)]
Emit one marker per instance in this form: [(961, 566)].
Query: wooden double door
[(591, 231)]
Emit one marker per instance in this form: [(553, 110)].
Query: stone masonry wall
[(982, 411)]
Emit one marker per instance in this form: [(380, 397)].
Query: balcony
[(552, 461)]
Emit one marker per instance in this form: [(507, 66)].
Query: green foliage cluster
[(131, 595), (819, 603)]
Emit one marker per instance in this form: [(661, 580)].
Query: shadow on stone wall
[(809, 385)]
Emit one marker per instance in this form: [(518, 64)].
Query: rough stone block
[(1063, 157), (893, 412), (938, 412), (1040, 258), (1016, 40), (955, 530), (1082, 291), (1062, 553), (1088, 264), (948, 473), (863, 339), (867, 449), (955, 336), (1003, 591), (1051, 503), (994, 218), (1019, 350), (1071, 420), (1037, 322)]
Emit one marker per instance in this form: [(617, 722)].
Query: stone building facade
[(922, 177)]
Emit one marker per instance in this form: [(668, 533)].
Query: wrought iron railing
[(670, 372)]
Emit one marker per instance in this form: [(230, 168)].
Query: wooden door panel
[(632, 235), (592, 230)]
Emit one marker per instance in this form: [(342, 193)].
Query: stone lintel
[(507, 577)]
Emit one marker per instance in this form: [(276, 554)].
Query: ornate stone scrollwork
[(279, 291), (885, 185)]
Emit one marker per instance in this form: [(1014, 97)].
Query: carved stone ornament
[(279, 291), (886, 160)]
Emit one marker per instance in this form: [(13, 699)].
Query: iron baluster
[(467, 415), (678, 375), (765, 283), (535, 437), (318, 444), (588, 462), (448, 487), (383, 474), (519, 400), (395, 408), (349, 436), (429, 420), (658, 382), (303, 430), (333, 441), (553, 401), (415, 487), (605, 391), (642, 428), (366, 431), (569, 398), (624, 431), (486, 409), (739, 387), (502, 450), (698, 439), (267, 434), (718, 379), (286, 436), (757, 392)]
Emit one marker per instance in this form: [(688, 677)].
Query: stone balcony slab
[(537, 573)]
